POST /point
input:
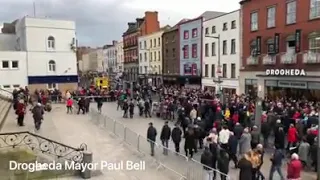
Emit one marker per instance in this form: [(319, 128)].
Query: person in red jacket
[(20, 111), (294, 168), (296, 116), (292, 136)]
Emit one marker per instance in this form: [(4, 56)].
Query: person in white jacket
[(193, 114), (224, 135)]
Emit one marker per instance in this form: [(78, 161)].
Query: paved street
[(76, 129), (140, 125)]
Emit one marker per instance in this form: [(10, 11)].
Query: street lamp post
[(219, 67)]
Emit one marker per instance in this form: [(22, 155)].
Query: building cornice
[(243, 1)]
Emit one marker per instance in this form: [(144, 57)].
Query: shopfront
[(290, 83), (251, 87), (295, 89)]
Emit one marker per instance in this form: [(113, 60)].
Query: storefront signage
[(285, 72), (292, 84), (298, 40), (258, 45), (276, 42)]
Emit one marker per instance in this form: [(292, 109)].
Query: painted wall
[(150, 53), (191, 65), (13, 77), (35, 33), (119, 48)]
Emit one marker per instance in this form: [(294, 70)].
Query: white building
[(110, 53), (150, 53), (40, 55), (119, 59), (226, 29), (96, 61), (84, 65)]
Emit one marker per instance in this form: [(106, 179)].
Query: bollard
[(87, 159)]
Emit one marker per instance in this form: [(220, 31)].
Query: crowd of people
[(226, 129)]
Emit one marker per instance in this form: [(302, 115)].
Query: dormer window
[(51, 42)]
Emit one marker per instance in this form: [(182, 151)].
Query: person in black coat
[(223, 163), (245, 167), (279, 138), (87, 104), (165, 136), (206, 160), (176, 137), (189, 145), (233, 146), (214, 149), (81, 104), (151, 136), (265, 131), (131, 108), (238, 130)]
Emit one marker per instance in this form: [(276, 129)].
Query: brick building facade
[(280, 48), (142, 26)]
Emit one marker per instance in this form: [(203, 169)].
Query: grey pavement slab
[(140, 124), (72, 129)]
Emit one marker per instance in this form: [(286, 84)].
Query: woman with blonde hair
[(256, 162), (245, 167)]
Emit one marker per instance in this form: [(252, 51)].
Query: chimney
[(140, 21), (131, 24), (114, 42)]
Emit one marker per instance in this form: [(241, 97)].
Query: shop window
[(233, 70), (314, 9), (314, 44), (185, 34), (224, 47), (224, 70), (254, 21), (194, 50), (225, 27), (213, 29), (233, 24), (291, 45), (213, 70), (186, 52), (194, 32), (206, 70), (206, 31), (206, 50), (291, 12), (5, 65), (271, 17)]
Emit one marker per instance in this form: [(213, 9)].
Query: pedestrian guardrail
[(177, 165)]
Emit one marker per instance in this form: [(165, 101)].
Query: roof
[(131, 29), (210, 14), (243, 1), (222, 15)]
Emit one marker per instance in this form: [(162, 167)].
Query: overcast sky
[(101, 21)]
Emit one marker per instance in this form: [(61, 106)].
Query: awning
[(270, 41), (291, 37), (314, 34)]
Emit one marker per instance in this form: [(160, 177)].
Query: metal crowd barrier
[(174, 164)]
